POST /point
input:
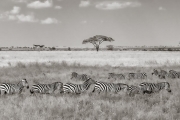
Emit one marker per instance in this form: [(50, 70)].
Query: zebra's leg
[(93, 90)]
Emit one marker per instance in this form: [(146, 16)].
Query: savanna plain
[(51, 66)]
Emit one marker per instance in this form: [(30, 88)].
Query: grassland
[(91, 58), (48, 67), (87, 106)]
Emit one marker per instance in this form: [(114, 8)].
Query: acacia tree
[(97, 40)]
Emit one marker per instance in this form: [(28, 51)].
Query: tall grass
[(89, 106)]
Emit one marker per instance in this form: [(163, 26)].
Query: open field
[(89, 106), (48, 67), (89, 58)]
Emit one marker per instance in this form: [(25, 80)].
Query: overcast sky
[(68, 22)]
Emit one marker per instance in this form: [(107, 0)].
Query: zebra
[(78, 88), (155, 72), (110, 87), (154, 87), (116, 76), (137, 76), (132, 90), (47, 88), (173, 74), (10, 88), (178, 74), (82, 77), (163, 74), (131, 76)]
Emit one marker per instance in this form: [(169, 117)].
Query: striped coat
[(109, 87), (46, 88), (77, 76), (154, 87), (116, 76), (9, 88), (78, 88)]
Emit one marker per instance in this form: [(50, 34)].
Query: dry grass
[(89, 106), (91, 58)]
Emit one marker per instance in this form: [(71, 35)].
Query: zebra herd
[(131, 90), (162, 74)]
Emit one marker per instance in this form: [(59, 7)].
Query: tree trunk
[(97, 48)]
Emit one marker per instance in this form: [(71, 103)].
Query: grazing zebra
[(78, 88), (82, 77), (137, 76), (155, 72), (9, 88), (163, 74), (173, 74), (132, 90), (178, 74), (131, 76), (154, 87), (46, 88), (110, 87), (116, 76)]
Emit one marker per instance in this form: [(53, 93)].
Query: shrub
[(110, 47)]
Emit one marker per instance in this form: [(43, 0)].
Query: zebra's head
[(167, 87), (25, 83), (155, 71), (58, 86), (90, 81), (123, 86)]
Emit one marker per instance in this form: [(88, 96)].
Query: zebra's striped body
[(78, 88), (132, 90), (163, 74), (137, 76), (46, 88), (77, 76), (154, 87), (173, 74), (116, 76), (109, 87), (155, 72), (178, 74), (9, 88), (131, 76)]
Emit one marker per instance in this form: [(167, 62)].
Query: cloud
[(84, 4), (49, 21), (161, 8), (4, 15), (38, 4), (15, 10), (112, 5), (26, 18), (58, 7), (12, 17)]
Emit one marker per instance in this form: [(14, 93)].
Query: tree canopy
[(97, 40)]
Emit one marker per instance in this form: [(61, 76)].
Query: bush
[(110, 47)]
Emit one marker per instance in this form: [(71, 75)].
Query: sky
[(69, 22)]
